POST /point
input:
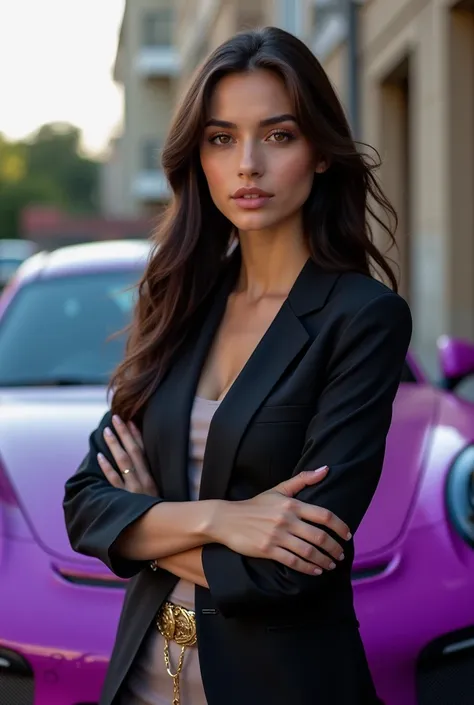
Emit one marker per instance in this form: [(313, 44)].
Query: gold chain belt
[(176, 624)]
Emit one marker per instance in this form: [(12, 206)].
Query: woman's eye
[(221, 139), (280, 136)]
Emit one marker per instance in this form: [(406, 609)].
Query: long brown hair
[(194, 236)]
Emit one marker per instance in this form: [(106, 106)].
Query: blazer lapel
[(167, 419), (282, 342)]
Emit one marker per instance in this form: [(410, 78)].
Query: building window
[(158, 28), (151, 155)]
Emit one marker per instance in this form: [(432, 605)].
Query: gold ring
[(127, 470)]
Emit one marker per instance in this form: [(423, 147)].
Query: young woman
[(262, 349)]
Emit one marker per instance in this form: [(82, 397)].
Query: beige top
[(148, 683), (201, 417)]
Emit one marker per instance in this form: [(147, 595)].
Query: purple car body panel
[(413, 574), (457, 357)]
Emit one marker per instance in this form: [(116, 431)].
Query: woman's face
[(257, 163)]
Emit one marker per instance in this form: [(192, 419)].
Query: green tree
[(55, 151), (47, 168), (15, 196)]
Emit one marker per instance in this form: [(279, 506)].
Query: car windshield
[(56, 331)]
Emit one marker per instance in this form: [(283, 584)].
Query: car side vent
[(80, 578), (372, 572)]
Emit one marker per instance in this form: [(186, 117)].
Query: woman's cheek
[(297, 169), (217, 190), (216, 179)]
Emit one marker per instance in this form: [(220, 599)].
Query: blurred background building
[(405, 69)]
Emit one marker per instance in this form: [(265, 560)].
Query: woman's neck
[(270, 266)]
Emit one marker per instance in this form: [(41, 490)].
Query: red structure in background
[(51, 228)]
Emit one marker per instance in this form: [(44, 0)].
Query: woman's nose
[(250, 163)]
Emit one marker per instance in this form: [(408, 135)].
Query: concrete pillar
[(460, 234), (430, 264), (395, 142)]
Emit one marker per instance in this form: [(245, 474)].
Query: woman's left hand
[(127, 449)]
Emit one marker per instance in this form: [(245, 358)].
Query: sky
[(56, 58)]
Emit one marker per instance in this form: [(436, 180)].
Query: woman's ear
[(321, 166)]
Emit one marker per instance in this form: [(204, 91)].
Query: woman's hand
[(126, 446), (274, 525), (129, 455)]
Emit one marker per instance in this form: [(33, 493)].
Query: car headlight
[(460, 495)]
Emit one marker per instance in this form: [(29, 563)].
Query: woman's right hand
[(275, 526)]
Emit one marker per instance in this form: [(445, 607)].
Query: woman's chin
[(254, 222)]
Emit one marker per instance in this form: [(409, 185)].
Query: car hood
[(414, 415), (44, 436)]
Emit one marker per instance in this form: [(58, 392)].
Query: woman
[(262, 348)]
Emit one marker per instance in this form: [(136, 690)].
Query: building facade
[(416, 104)]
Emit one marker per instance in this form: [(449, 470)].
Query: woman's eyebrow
[(275, 120)]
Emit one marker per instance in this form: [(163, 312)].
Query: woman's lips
[(251, 202), (251, 198)]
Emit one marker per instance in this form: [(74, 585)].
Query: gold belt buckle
[(176, 623)]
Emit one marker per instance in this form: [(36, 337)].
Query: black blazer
[(317, 390)]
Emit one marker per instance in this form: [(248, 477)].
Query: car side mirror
[(456, 358)]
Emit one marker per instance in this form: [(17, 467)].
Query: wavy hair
[(193, 237)]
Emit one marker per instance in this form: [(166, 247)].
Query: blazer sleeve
[(96, 513), (348, 433)]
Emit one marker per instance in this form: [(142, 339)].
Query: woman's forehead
[(249, 97)]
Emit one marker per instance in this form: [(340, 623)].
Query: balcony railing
[(157, 56), (157, 62)]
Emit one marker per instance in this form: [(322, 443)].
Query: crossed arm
[(128, 453)]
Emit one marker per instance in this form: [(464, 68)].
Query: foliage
[(47, 168)]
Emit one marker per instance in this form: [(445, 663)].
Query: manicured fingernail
[(332, 566), (108, 432), (348, 536), (100, 456), (117, 419), (341, 557), (317, 571), (321, 470)]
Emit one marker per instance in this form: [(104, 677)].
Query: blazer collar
[(311, 289), (166, 422)]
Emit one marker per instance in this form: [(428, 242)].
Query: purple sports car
[(414, 570)]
